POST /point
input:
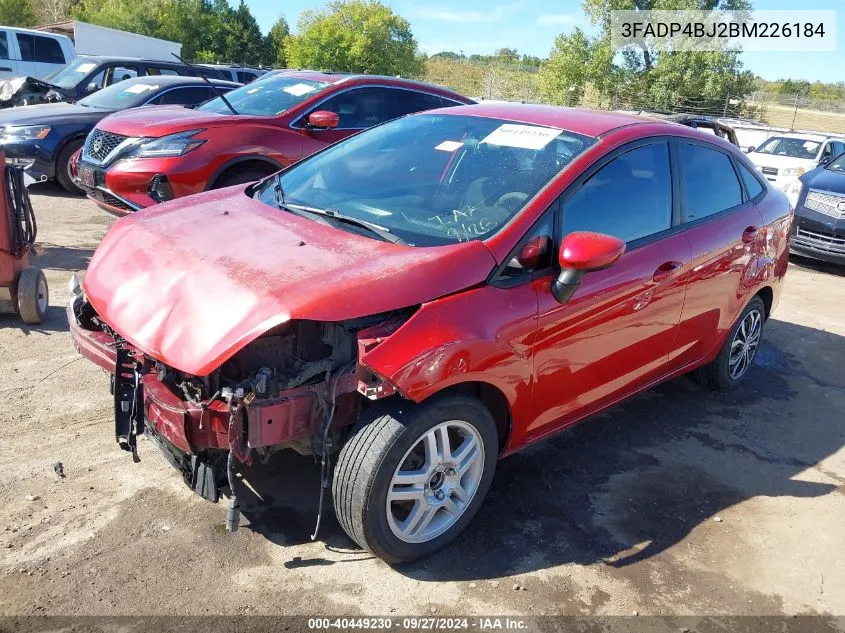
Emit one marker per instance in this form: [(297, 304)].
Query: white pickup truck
[(29, 53), (38, 52)]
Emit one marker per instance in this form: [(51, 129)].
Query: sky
[(530, 26)]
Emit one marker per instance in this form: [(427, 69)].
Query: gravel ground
[(677, 502)]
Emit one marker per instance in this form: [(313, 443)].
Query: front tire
[(411, 477), (731, 366), (63, 174)]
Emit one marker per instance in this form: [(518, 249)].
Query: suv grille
[(827, 203), (100, 144), (822, 242)]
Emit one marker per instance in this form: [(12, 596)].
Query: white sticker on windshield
[(522, 136), (297, 90), (85, 68), (139, 88), (449, 146)]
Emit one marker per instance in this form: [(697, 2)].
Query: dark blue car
[(819, 201), (44, 137)]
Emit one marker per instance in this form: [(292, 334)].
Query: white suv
[(785, 157), (28, 53)]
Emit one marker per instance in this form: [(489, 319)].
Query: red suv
[(133, 160), (429, 296)]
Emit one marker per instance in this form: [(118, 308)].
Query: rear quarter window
[(752, 185)]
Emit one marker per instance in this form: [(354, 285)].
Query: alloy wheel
[(435, 482), (744, 344)]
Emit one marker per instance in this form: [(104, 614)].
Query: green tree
[(244, 42), (645, 78), (17, 13), (354, 35), (279, 32)]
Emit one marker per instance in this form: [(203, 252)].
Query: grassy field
[(781, 116)]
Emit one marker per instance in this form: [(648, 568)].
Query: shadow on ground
[(54, 320), (646, 472), (817, 265)]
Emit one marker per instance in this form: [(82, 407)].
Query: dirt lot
[(678, 502)]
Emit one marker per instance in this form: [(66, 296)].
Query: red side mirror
[(586, 251), (323, 119), (580, 253), (534, 249)]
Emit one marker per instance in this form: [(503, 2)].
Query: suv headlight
[(793, 192), (792, 171), (171, 145), (25, 132)]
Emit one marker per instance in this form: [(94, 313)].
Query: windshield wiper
[(381, 231), (303, 210)]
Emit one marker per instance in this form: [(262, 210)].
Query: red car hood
[(191, 284), (161, 120)]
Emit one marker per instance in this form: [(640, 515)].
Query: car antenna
[(205, 79)]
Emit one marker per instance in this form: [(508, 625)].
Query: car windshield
[(125, 94), (70, 75), (789, 146), (429, 179), (266, 98)]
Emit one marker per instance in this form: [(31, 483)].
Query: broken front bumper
[(192, 428)]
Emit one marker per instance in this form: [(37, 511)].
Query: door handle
[(5, 69), (666, 270), (749, 234)]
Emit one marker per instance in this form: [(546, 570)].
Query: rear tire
[(33, 295), (237, 176), (735, 358), (63, 167), (435, 461)]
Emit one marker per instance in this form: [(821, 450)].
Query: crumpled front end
[(21, 91), (297, 386)]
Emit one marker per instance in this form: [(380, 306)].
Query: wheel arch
[(76, 136), (768, 296), (240, 162), (491, 397)]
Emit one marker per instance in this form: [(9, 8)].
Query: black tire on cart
[(411, 477), (33, 295)]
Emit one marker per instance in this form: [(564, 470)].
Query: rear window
[(4, 45)]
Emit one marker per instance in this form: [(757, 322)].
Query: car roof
[(342, 77), (804, 137), (186, 80), (581, 121), (119, 58)]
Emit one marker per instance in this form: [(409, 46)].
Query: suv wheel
[(738, 352), (411, 477)]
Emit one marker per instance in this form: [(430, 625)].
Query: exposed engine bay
[(297, 386), (21, 91)]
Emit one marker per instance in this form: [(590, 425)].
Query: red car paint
[(230, 141), (193, 282)]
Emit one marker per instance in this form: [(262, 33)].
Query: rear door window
[(48, 51), (246, 77), (26, 44), (629, 198), (190, 95), (709, 182), (155, 71), (408, 101), (119, 73)]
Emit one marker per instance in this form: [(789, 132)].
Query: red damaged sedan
[(420, 300)]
